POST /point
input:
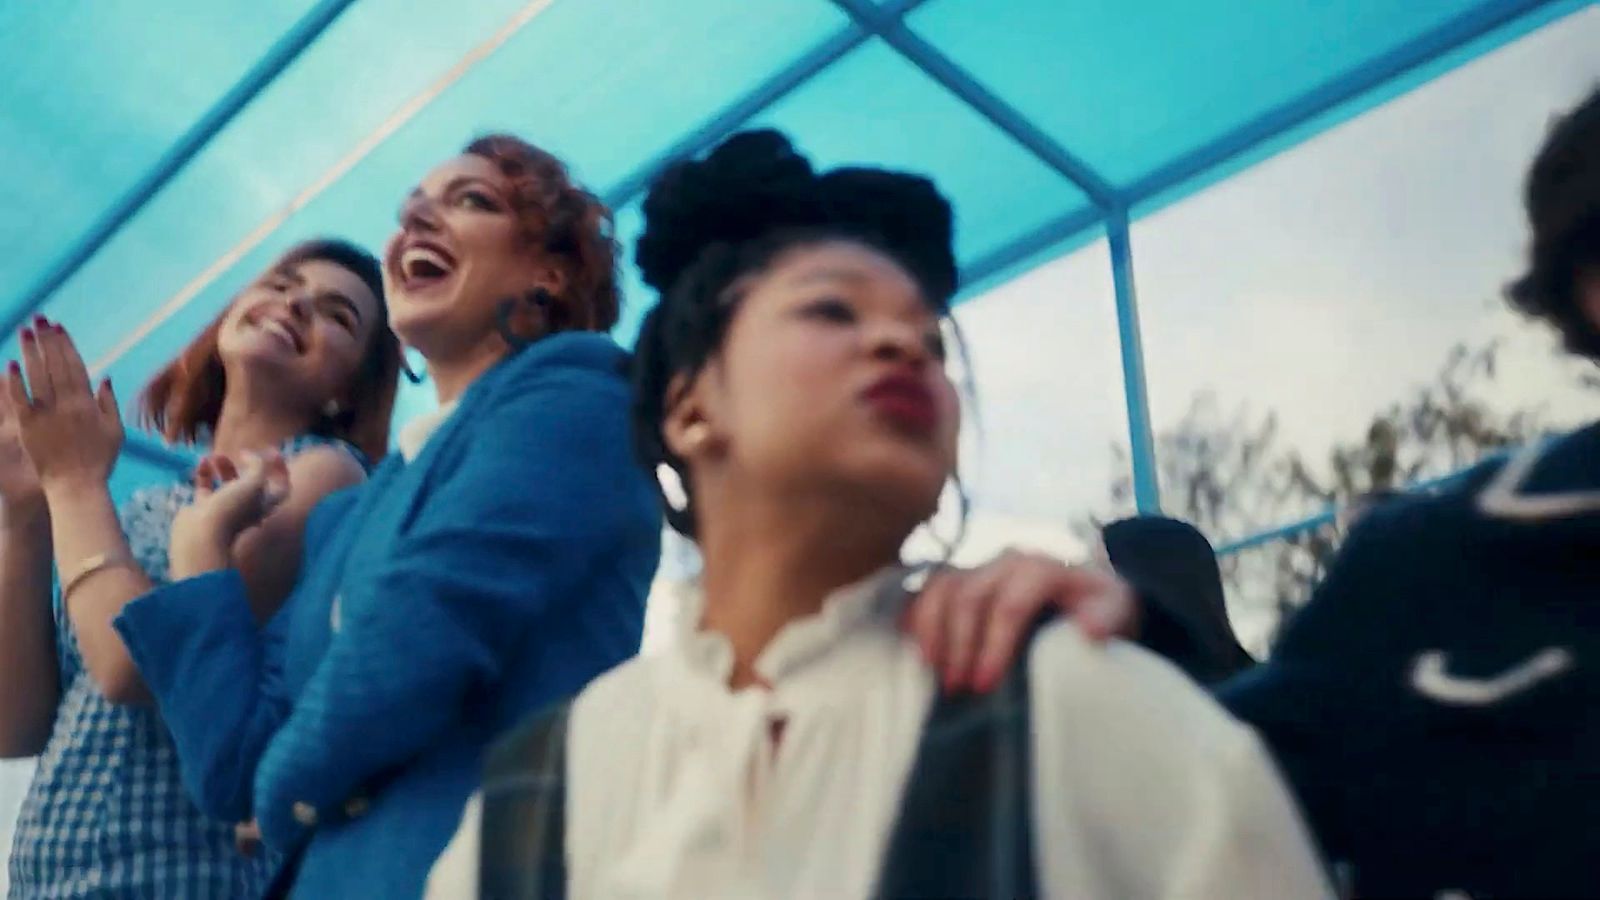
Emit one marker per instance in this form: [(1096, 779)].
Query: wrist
[(28, 513), (193, 557), (72, 487)]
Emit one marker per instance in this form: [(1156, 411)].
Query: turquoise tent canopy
[(157, 153)]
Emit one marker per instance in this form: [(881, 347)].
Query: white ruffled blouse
[(681, 787)]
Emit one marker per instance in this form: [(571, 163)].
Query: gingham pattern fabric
[(106, 815)]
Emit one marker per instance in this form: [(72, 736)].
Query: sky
[(1320, 284)]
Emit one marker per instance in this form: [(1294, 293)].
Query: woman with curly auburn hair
[(300, 367), (499, 560)]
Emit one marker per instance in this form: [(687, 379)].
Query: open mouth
[(286, 335), (423, 265)]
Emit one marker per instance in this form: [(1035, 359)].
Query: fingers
[(16, 392), (1100, 602), (1017, 603), (205, 477), (213, 470), (969, 610), (275, 470), (260, 484), (68, 375), (106, 399), (37, 369), (972, 625), (247, 837)]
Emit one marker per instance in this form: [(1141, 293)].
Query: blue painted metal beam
[(1021, 248), (283, 52), (890, 26), (1371, 74), (1327, 516), (1141, 442), (747, 107)]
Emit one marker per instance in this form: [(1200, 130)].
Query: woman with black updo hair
[(794, 742)]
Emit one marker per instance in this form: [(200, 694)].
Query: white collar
[(1504, 497), (413, 435), (707, 653)]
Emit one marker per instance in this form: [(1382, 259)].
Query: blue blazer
[(1437, 704), (439, 603)]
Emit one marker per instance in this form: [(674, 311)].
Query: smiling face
[(304, 324), (832, 378), (459, 255)]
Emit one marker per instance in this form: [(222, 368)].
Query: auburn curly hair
[(1562, 198), (568, 223)]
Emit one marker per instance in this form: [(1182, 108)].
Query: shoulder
[(615, 709), (323, 445), (572, 383), (1122, 692), (315, 474), (582, 357), (333, 464)]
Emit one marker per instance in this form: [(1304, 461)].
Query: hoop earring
[(539, 299), (964, 508)]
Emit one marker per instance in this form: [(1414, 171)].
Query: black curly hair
[(1562, 198), (711, 222)]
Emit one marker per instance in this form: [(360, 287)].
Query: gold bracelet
[(96, 563)]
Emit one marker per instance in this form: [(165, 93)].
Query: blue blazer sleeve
[(541, 492), (215, 680), (216, 677)]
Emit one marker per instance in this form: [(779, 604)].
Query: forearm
[(216, 678), (84, 526), (268, 558), (29, 676)]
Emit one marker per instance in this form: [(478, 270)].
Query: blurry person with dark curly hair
[(497, 562), (1437, 704), (794, 741)]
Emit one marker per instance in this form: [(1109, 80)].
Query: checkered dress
[(106, 815)]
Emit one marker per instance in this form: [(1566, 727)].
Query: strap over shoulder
[(965, 827), (522, 853)]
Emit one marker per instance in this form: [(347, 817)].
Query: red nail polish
[(27, 334), (40, 321), (15, 367)]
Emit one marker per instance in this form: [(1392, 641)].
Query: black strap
[(522, 827), (965, 827)]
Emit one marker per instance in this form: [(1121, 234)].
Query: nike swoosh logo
[(1432, 679)]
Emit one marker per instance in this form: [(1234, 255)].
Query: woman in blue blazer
[(500, 560)]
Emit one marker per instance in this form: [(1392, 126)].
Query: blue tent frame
[(1111, 208)]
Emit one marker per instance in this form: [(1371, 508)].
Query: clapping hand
[(230, 499)]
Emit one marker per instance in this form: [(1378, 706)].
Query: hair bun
[(905, 214), (756, 183), (747, 185)]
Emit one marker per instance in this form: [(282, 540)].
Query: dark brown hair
[(566, 222), (184, 399), (1562, 198)]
